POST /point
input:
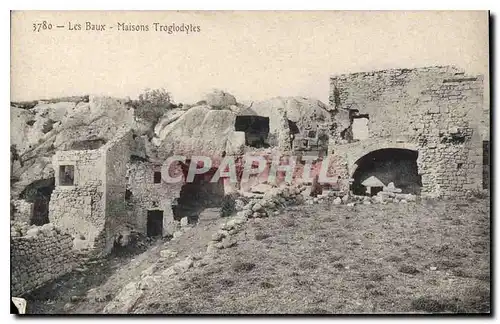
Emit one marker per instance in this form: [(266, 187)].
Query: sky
[(252, 55)]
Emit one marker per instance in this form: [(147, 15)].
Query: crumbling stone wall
[(80, 208), (146, 195), (23, 211), (43, 254), (116, 154), (93, 208), (440, 110)]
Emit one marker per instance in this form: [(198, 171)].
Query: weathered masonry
[(430, 124), (89, 195)]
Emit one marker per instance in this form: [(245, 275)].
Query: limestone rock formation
[(219, 99), (96, 121), (305, 112), (199, 131)]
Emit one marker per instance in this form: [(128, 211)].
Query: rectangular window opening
[(66, 175), (157, 177)]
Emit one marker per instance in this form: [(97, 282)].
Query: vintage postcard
[(250, 162)]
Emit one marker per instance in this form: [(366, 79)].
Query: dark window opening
[(294, 129), (256, 130), (486, 164), (388, 165), (66, 175), (155, 223), (157, 177), (459, 166), (128, 195)]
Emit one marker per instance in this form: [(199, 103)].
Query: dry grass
[(429, 257)]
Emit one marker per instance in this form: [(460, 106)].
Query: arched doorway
[(395, 165)]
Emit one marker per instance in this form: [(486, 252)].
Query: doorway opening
[(256, 130), (198, 195), (39, 193), (155, 223)]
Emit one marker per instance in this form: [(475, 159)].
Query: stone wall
[(79, 209), (147, 195), (42, 254), (116, 153), (23, 211), (438, 110)]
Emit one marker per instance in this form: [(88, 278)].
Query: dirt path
[(87, 290)]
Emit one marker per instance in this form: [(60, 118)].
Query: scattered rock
[(184, 265), (177, 234), (168, 253), (228, 242), (75, 299), (219, 235), (391, 188), (257, 207), (337, 201)]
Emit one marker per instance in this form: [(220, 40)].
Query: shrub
[(228, 205), (152, 104)]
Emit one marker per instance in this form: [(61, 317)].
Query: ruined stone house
[(426, 129), (89, 195)]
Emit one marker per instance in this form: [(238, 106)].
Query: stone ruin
[(389, 135), (426, 130)]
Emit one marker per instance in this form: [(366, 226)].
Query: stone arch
[(398, 165)]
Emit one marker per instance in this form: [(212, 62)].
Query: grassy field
[(424, 257), (427, 257)]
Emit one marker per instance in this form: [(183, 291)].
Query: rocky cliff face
[(38, 130)]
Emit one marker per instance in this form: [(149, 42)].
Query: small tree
[(157, 97), (152, 104)]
